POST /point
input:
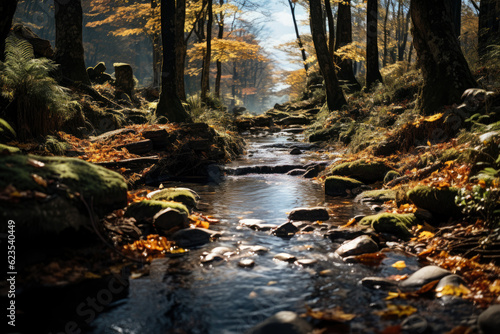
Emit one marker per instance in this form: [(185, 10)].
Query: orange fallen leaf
[(399, 265), (396, 311), (451, 290), (335, 314), (40, 180)]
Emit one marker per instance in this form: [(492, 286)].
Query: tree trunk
[(331, 28), (334, 96), (205, 72), (299, 40), (180, 48), (8, 9), (372, 68), (156, 59), (170, 104), (69, 46), (402, 47), (220, 36), (386, 33), (344, 36), (233, 87), (456, 16), (489, 25), (445, 70)]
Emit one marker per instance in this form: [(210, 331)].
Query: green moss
[(147, 209), (362, 170), (396, 224), (10, 149), (381, 195), (183, 196), (54, 146), (339, 186), (440, 202), (391, 175)]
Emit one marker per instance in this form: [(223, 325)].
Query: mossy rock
[(66, 178), (331, 133), (381, 195), (148, 209), (397, 224), (6, 149), (391, 175), (6, 131), (339, 186), (362, 170), (184, 196), (440, 202)]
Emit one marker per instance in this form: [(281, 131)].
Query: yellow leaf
[(396, 311), (399, 265), (336, 315), (451, 290), (40, 180)]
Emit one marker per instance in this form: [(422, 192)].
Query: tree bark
[(372, 67), (489, 25), (331, 28), (180, 48), (386, 33), (456, 16), (402, 46), (334, 96), (344, 37), (205, 72), (8, 9), (220, 35), (299, 40), (170, 104), (445, 70), (69, 46)]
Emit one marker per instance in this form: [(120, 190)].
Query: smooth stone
[(414, 324), (246, 263), (423, 276), (192, 237), (284, 322), (361, 245), (306, 262), (489, 321), (257, 224), (451, 280), (285, 230), (285, 257), (259, 249), (296, 151), (170, 220), (221, 250), (309, 214), (211, 257), (379, 283)]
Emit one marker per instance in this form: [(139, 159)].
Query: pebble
[(285, 257), (285, 230), (306, 262), (211, 257), (414, 324), (361, 245), (222, 251), (423, 276), (296, 151), (379, 283), (259, 249), (246, 263)]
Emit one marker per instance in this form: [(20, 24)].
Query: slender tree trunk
[(180, 48), (156, 59), (372, 67), (170, 104), (220, 36), (489, 25), (234, 84), (299, 40), (386, 33), (334, 96), (444, 68), (331, 28), (69, 46), (205, 73), (344, 36), (402, 48), (8, 9)]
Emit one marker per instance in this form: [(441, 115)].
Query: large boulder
[(146, 210), (341, 186), (440, 202), (43, 194), (124, 78), (362, 170), (397, 224), (309, 214)]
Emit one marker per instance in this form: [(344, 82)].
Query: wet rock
[(379, 283), (341, 186), (284, 322), (182, 195), (295, 151), (361, 245), (325, 134), (489, 321), (423, 276), (294, 120), (308, 228), (145, 210), (285, 257), (211, 257), (278, 169), (124, 78), (392, 223), (258, 249), (285, 230), (257, 224), (309, 214), (192, 237), (362, 170), (295, 172), (454, 281), (343, 234), (414, 324), (246, 263), (222, 250), (170, 220), (379, 196), (440, 202), (306, 262)]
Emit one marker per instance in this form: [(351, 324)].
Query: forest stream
[(193, 293)]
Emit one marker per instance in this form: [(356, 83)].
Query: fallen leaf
[(40, 180), (396, 311), (336, 315), (451, 290), (35, 163), (371, 259), (399, 265)]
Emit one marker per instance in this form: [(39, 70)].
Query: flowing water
[(182, 295)]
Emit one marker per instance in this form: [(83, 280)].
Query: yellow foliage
[(451, 290), (355, 51)]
